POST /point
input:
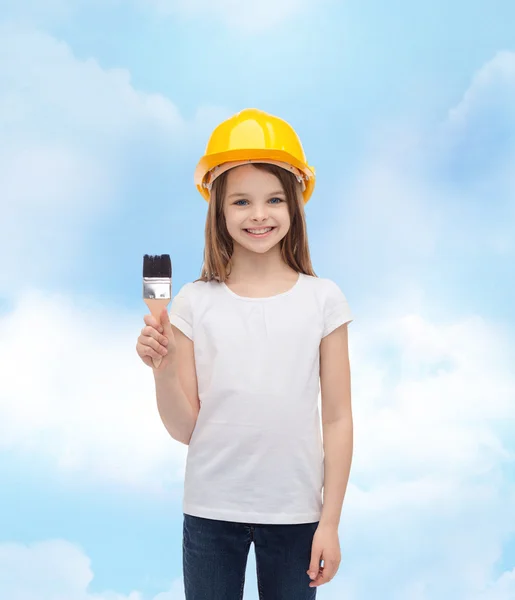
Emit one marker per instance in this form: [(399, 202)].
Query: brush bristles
[(158, 265)]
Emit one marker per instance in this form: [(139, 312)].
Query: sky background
[(407, 112)]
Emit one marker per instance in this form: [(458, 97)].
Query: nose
[(259, 214)]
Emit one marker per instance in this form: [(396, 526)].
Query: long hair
[(219, 245)]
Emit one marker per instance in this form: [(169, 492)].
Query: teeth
[(260, 230)]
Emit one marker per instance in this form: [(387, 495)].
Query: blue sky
[(406, 111)]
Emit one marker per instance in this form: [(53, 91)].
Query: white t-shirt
[(256, 453)]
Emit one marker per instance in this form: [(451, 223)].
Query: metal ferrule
[(157, 287)]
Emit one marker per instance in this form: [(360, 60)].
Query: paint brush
[(157, 286)]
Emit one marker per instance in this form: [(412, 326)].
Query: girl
[(246, 349)]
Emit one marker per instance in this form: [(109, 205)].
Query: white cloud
[(492, 87), (433, 398), (44, 80), (428, 486), (89, 403), (56, 570), (60, 570), (478, 138), (502, 589), (434, 404), (431, 499), (244, 17), (68, 126), (431, 411), (426, 194)]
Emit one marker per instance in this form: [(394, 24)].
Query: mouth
[(260, 232)]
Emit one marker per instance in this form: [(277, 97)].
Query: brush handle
[(156, 305)]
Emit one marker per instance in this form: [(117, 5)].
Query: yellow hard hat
[(253, 135)]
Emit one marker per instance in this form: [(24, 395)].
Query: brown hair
[(218, 247)]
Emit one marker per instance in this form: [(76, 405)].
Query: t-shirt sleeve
[(181, 313), (336, 309)]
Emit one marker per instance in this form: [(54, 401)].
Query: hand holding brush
[(156, 343)]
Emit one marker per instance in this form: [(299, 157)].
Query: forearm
[(175, 410), (338, 447)]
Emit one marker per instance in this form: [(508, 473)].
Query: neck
[(251, 266)]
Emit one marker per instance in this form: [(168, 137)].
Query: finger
[(320, 579), (165, 321), (155, 345), (148, 342), (326, 573), (150, 331), (152, 322), (150, 352), (153, 356), (314, 565)]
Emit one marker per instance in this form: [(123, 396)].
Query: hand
[(157, 341), (326, 547)]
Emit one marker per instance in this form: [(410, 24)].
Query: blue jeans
[(215, 559)]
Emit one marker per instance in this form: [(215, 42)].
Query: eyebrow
[(234, 194)]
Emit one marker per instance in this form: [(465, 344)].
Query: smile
[(259, 233)]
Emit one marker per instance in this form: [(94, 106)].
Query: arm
[(337, 422), (176, 391), (338, 444)]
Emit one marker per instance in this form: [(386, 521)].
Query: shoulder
[(193, 289), (332, 303), (326, 289), (197, 293), (186, 305)]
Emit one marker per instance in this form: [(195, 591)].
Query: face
[(256, 210)]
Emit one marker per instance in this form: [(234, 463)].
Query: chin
[(257, 248), (262, 250)]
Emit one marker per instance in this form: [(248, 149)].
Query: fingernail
[(312, 575)]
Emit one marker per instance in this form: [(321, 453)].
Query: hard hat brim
[(210, 161)]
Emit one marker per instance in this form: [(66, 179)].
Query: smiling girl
[(246, 349)]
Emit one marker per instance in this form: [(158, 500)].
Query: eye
[(279, 200), (237, 202)]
